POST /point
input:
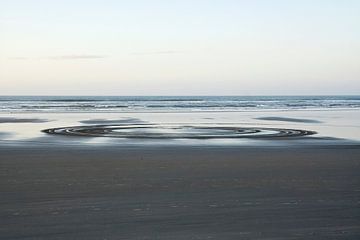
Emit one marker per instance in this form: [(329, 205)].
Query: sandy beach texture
[(182, 176), (179, 192)]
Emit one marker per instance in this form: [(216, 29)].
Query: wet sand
[(179, 192), (22, 120), (287, 119)]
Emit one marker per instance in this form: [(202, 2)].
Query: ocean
[(173, 103)]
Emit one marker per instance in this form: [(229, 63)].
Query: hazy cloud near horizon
[(156, 52), (180, 47), (89, 56), (74, 57)]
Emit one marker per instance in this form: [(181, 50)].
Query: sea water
[(173, 103)]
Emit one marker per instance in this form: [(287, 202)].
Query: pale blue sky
[(179, 47)]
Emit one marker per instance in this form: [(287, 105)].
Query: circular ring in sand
[(143, 131)]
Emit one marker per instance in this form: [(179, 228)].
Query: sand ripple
[(176, 131)]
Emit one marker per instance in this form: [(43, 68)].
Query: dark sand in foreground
[(84, 192)]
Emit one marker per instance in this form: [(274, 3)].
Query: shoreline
[(328, 124), (186, 111)]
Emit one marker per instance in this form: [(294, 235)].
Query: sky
[(169, 47)]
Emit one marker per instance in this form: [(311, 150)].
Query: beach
[(269, 174), (179, 193)]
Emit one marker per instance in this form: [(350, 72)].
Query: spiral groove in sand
[(176, 131)]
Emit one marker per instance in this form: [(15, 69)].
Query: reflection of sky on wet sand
[(328, 124)]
